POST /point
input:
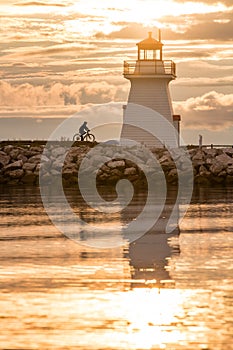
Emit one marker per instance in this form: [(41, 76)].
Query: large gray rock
[(130, 171), (22, 157), (116, 172), (228, 151), (116, 164), (36, 149), (224, 159), (211, 152), (58, 163), (97, 160), (4, 159), (105, 169), (58, 151), (216, 168), (29, 166), (14, 153), (15, 165), (165, 159), (35, 159), (198, 156), (203, 171), (7, 149), (210, 160)]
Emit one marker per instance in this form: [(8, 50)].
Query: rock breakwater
[(20, 165)]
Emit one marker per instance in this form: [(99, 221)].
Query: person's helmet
[(85, 123)]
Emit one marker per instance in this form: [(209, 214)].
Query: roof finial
[(150, 34), (160, 35)]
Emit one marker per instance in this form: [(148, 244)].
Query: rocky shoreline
[(20, 165)]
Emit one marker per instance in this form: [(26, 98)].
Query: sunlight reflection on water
[(161, 292)]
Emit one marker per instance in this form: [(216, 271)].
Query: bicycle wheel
[(90, 137), (76, 137)]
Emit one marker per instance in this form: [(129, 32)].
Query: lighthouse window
[(142, 54), (150, 55)]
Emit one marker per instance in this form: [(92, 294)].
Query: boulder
[(176, 153), (29, 166), (129, 163), (55, 172), (7, 149), (165, 159), (130, 171), (58, 151), (105, 169), (36, 149), (58, 163), (4, 159), (98, 160), (228, 151), (35, 159), (216, 168), (210, 152), (14, 153), (198, 156), (116, 164), (203, 171), (15, 165), (116, 172), (224, 159), (210, 161), (22, 157)]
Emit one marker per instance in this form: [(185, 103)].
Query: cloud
[(203, 81), (27, 95), (214, 26), (129, 31), (59, 49), (39, 3), (210, 2), (211, 111)]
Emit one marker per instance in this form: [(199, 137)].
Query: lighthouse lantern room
[(150, 76)]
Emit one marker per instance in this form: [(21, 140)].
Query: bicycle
[(86, 137)]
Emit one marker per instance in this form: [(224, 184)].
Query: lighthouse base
[(148, 127)]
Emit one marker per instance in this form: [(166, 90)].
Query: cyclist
[(83, 129)]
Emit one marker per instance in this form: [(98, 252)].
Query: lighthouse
[(150, 76)]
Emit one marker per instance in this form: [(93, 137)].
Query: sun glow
[(145, 12)]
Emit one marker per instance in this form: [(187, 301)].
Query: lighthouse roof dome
[(150, 43)]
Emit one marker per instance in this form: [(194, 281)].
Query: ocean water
[(164, 291)]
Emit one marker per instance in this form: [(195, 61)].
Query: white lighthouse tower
[(150, 76)]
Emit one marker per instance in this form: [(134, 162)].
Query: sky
[(58, 57)]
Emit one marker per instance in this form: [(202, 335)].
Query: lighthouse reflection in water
[(58, 294), (148, 255)]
